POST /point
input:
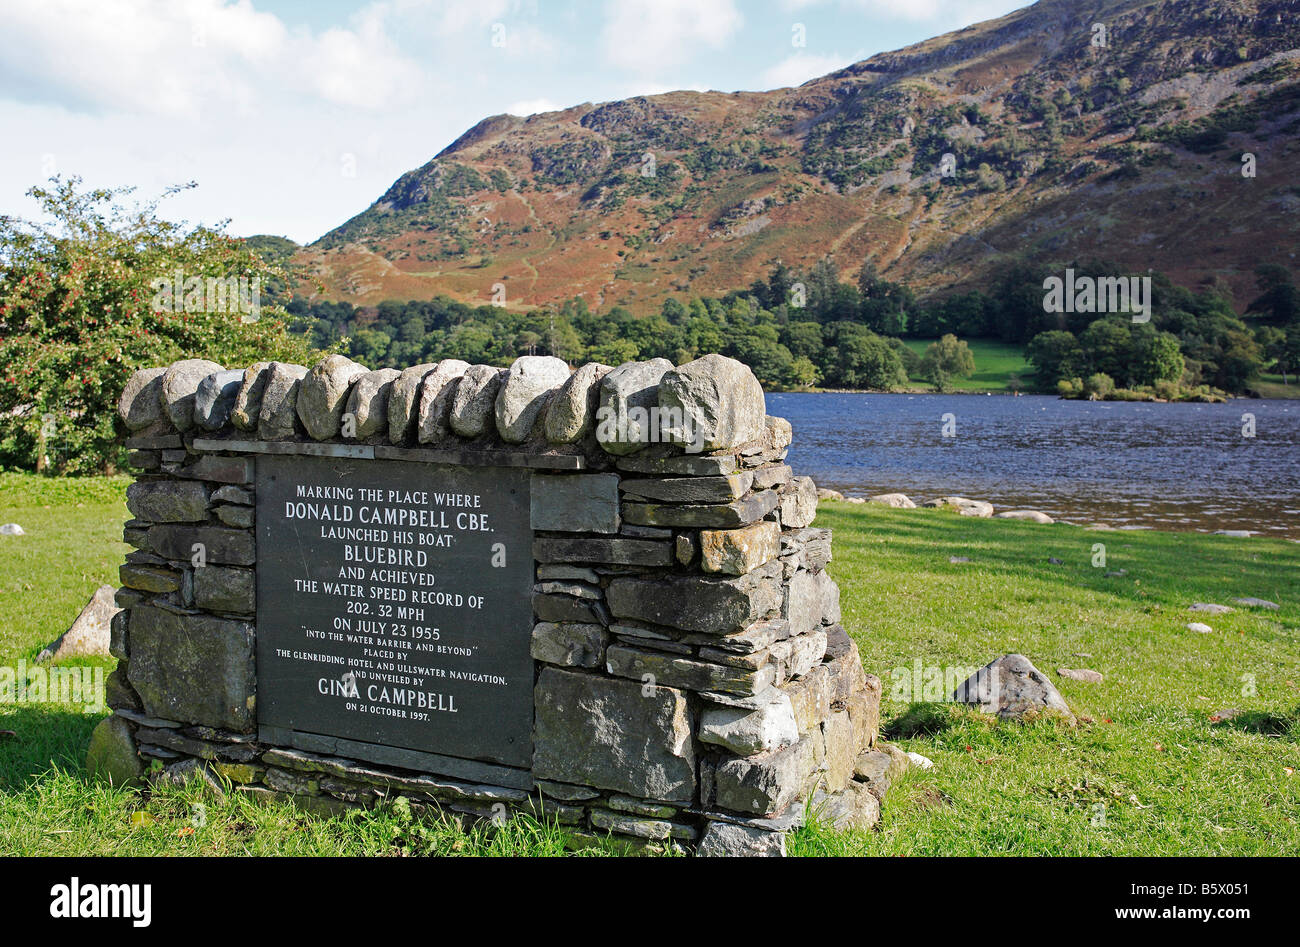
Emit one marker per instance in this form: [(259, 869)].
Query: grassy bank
[(1146, 772), (995, 363)]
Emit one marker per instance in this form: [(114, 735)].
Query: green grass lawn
[(1145, 772), (995, 362), (1272, 386)]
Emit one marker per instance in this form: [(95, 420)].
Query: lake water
[(1126, 464)]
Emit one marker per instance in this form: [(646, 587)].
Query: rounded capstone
[(248, 403), (403, 400), (141, 401), (525, 392), (324, 394), (474, 407), (368, 402), (572, 413), (436, 396), (215, 398), (276, 420), (179, 386), (627, 395), (714, 403)]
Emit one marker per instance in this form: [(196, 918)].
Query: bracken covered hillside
[(1060, 148)]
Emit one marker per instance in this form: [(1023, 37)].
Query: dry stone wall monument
[(592, 595)]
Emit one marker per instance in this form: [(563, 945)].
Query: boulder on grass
[(1011, 687), (89, 633)]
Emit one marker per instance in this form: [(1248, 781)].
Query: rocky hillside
[(1037, 135)]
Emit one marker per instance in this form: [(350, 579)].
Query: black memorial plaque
[(394, 605)]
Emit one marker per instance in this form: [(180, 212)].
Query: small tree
[(945, 359)]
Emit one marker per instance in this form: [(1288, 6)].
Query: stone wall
[(693, 684)]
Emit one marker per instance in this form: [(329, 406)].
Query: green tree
[(1056, 356), (945, 358), (82, 307)]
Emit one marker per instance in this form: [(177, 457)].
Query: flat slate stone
[(586, 503), (696, 602), (614, 734), (689, 465), (613, 551), (193, 668), (719, 489), (714, 515)]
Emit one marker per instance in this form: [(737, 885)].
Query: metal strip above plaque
[(394, 605)]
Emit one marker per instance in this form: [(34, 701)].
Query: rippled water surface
[(1167, 466)]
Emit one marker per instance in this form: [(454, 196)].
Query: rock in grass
[(825, 494), (1200, 627), (1210, 608), (899, 501), (1011, 687), (112, 754), (919, 761), (963, 506), (12, 529), (1257, 603), (1031, 516), (1081, 674), (89, 633)]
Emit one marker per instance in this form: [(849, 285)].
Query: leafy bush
[(78, 316)]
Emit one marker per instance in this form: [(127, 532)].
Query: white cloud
[(916, 11), (799, 68), (649, 36), (178, 57), (531, 107)]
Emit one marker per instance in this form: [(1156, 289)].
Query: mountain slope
[(1058, 148)]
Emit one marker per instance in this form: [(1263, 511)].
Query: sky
[(294, 116)]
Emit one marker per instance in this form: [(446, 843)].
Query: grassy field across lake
[(1147, 770), (995, 363)]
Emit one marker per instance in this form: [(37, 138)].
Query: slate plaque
[(394, 605)]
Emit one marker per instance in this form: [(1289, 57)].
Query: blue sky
[(293, 116)]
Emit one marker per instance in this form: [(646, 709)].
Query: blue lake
[(1126, 464)]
